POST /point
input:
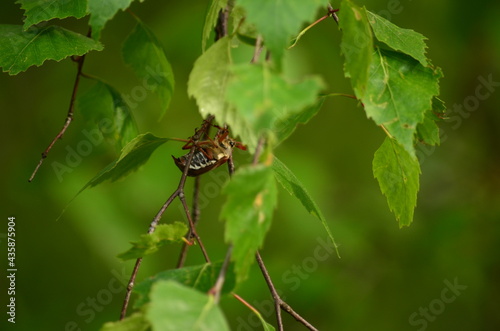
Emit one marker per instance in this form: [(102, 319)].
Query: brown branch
[(257, 49), (333, 12), (220, 32), (69, 116), (219, 283), (221, 27), (195, 214), (179, 192), (278, 302)]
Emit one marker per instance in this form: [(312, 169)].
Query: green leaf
[(356, 45), (207, 84), (20, 49), (143, 52), (266, 326), (36, 11), (177, 307), (105, 106), (102, 11), (211, 20), (428, 130), (199, 277), (279, 20), (251, 199), (398, 175), (135, 322), (286, 126), (208, 79), (291, 183), (244, 31), (399, 93), (133, 155), (151, 242), (262, 97), (404, 40)]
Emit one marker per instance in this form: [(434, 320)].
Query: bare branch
[(69, 117), (179, 192), (278, 302)]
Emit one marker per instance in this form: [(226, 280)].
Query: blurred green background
[(68, 273)]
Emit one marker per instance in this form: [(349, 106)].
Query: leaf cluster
[(390, 74)]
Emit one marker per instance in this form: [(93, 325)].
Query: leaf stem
[(331, 12)]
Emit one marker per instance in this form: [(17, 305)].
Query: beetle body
[(209, 154)]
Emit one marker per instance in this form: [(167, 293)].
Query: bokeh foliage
[(385, 274)]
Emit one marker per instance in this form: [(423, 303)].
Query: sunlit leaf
[(398, 175), (175, 307), (279, 20), (291, 183), (36, 11), (209, 77), (251, 199), (356, 45), (404, 40), (262, 97), (399, 93), (134, 322), (200, 277), (151, 242), (20, 49), (144, 54), (211, 20), (207, 84)]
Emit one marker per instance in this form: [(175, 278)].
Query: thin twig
[(257, 49), (192, 227), (307, 29), (333, 12), (278, 302), (179, 192), (195, 214), (274, 293), (69, 116), (220, 32), (219, 283)]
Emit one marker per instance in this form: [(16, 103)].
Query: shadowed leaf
[(398, 175), (144, 54), (133, 155), (293, 186)]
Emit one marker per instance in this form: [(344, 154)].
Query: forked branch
[(179, 192)]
